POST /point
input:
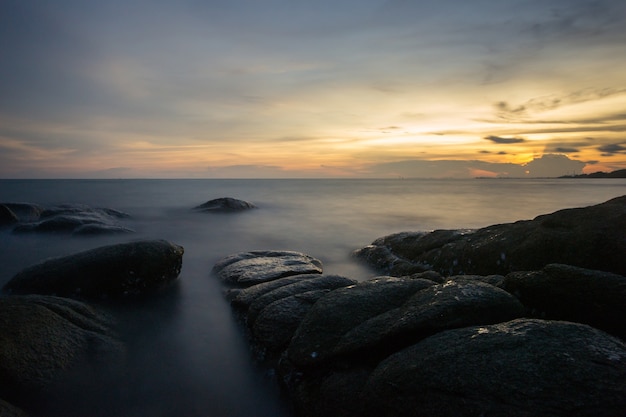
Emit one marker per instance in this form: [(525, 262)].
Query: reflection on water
[(186, 354)]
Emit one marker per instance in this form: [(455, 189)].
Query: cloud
[(520, 112), (501, 140), (548, 165), (561, 149), (612, 149)]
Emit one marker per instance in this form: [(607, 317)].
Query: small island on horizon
[(620, 173)]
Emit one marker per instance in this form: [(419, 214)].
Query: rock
[(7, 217), (563, 292), (274, 315), (249, 268), (9, 410), (275, 325), (115, 271), (25, 212), (76, 219), (591, 237), (519, 368), (341, 310), (242, 298), (46, 341), (431, 310), (225, 204), (301, 286)]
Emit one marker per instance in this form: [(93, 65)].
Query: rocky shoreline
[(519, 319)]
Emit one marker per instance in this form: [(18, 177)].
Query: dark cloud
[(501, 140), (612, 149), (561, 149)]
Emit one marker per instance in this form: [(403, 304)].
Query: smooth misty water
[(188, 356)]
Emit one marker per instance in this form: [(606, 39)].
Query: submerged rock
[(519, 368), (564, 292), (591, 237), (225, 204), (249, 268), (74, 219), (25, 212), (115, 271), (47, 341), (7, 217)]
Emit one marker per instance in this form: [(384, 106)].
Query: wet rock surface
[(224, 205), (518, 368), (108, 272), (591, 237), (248, 268), (46, 341), (565, 292), (65, 219)]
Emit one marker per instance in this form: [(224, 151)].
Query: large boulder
[(224, 205), (115, 271), (334, 315), (519, 368), (431, 310), (74, 219), (564, 292), (274, 315), (47, 343), (591, 237), (249, 268)]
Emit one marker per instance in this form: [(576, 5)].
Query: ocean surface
[(187, 355)]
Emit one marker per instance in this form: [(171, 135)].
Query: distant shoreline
[(620, 173)]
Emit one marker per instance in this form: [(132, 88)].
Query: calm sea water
[(187, 355)]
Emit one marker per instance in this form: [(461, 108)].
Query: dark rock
[(275, 325), (225, 204), (495, 280), (25, 212), (242, 298), (77, 219), (45, 340), (314, 283), (519, 368), (564, 292), (121, 270), (591, 237), (341, 310), (431, 310), (274, 315), (249, 268), (7, 217), (9, 410)]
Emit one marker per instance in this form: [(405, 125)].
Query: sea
[(187, 354)]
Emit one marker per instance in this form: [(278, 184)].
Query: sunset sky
[(302, 88)]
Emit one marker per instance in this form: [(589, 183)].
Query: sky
[(303, 88)]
